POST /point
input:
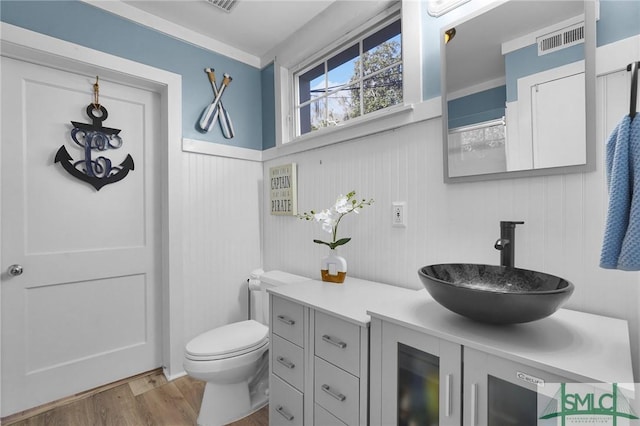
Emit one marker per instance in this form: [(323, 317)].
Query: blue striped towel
[(621, 244)]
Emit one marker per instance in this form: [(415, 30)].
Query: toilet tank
[(260, 299)]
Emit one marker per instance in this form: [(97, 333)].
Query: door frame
[(25, 45)]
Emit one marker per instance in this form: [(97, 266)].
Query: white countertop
[(576, 345), (349, 301)]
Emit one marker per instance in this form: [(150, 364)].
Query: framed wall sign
[(284, 190)]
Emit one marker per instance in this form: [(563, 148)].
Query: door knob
[(15, 270)]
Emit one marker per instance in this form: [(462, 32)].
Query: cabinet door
[(420, 378), (502, 392)]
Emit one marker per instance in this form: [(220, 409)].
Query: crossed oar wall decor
[(215, 111)]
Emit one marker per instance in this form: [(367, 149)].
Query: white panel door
[(86, 309)]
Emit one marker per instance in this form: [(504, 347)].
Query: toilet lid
[(239, 336)]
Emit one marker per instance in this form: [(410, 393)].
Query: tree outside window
[(363, 77)]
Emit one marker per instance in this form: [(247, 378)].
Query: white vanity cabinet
[(431, 366), (286, 363), (409, 380), (320, 372)]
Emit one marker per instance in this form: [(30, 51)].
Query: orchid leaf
[(340, 242), (322, 242)]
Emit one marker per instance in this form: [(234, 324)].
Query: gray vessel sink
[(495, 294)]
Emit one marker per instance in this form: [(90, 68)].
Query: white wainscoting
[(221, 214), (564, 214)]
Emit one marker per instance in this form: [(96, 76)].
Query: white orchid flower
[(326, 217), (327, 225), (342, 205), (322, 216), (330, 218)]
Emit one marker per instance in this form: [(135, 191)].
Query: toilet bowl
[(233, 359)]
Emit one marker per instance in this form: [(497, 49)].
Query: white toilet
[(233, 359)]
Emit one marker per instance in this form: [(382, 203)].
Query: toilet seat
[(228, 341)]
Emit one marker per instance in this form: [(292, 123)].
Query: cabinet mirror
[(518, 82)]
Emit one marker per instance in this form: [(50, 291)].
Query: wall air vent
[(225, 5), (561, 39)]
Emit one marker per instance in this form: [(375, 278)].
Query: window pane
[(383, 90), (382, 48), (343, 67), (334, 90), (311, 83), (343, 104), (313, 116), (305, 119)]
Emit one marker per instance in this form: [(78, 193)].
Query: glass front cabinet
[(433, 376), (503, 392), (420, 378)]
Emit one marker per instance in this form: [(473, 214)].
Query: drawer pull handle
[(285, 362), (331, 392), (284, 413), (286, 320), (337, 343)]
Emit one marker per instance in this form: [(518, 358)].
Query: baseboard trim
[(171, 378)]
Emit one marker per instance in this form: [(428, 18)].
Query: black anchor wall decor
[(97, 171)]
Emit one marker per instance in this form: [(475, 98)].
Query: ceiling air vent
[(225, 5), (561, 39)]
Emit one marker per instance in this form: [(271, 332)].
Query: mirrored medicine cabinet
[(518, 90)]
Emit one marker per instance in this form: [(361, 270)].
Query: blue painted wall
[(525, 61), (83, 24), (477, 108), (619, 19), (268, 107), (490, 104), (253, 118)]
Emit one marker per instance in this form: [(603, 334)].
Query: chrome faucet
[(506, 243)]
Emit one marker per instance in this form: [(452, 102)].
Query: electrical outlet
[(399, 210)]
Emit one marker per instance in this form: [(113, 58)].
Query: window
[(361, 76)]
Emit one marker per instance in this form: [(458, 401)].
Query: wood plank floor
[(148, 400)]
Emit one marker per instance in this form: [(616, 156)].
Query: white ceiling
[(253, 26)]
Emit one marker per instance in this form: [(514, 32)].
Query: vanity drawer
[(285, 403), (286, 320), (322, 417), (288, 361), (338, 342), (337, 391)]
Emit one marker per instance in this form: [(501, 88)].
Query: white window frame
[(286, 62), (372, 27)]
